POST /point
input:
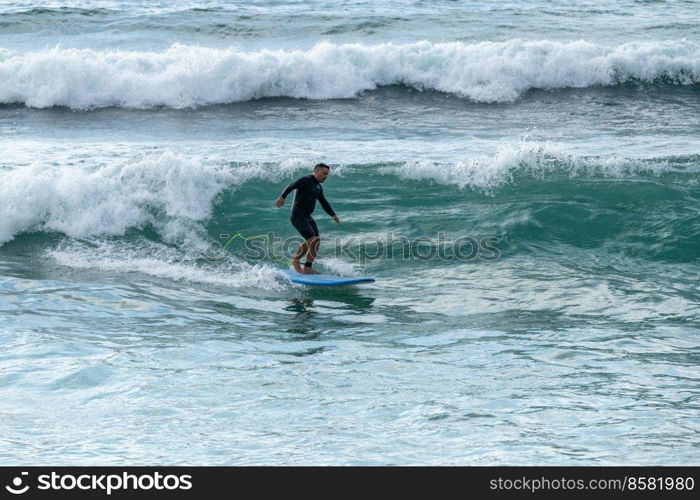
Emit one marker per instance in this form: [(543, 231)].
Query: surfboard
[(323, 279)]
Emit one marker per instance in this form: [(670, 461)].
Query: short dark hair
[(321, 165)]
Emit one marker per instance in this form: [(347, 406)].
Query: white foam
[(185, 76), (486, 172), (162, 262), (108, 200), (336, 266), (531, 158)]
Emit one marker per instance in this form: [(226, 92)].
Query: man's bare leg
[(303, 248), (313, 244)]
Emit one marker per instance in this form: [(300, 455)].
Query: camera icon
[(17, 482)]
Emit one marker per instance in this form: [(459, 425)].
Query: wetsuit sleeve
[(294, 185), (326, 206)]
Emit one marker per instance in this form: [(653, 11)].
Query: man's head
[(321, 171)]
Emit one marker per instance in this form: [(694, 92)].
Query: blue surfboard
[(323, 279)]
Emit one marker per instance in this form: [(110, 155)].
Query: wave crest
[(178, 195), (188, 76)]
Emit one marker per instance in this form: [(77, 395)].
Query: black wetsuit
[(308, 191)]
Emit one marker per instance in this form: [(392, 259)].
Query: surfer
[(308, 190)]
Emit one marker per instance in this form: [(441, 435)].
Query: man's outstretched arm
[(294, 185), (327, 207)]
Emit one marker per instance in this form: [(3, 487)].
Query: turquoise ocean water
[(521, 178)]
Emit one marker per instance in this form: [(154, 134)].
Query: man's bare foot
[(297, 267), (309, 270)]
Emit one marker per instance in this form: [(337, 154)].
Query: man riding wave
[(308, 190)]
